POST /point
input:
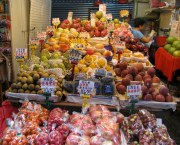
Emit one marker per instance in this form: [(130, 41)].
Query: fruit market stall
[(98, 51)]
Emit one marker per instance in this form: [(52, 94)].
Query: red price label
[(48, 85), (41, 35), (85, 87), (134, 91)]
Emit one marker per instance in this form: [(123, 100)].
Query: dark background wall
[(83, 8)]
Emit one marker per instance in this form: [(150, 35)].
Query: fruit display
[(173, 46), (141, 128), (35, 125), (29, 83), (137, 74)]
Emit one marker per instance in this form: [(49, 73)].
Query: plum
[(164, 91), (151, 71), (148, 82), (160, 98), (121, 89), (138, 78)]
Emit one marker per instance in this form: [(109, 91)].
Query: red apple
[(97, 33), (104, 33)]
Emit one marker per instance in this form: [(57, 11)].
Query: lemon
[(82, 61), (101, 62), (92, 65)]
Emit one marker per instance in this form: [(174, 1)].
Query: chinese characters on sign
[(75, 55), (134, 91), (21, 53), (48, 85), (41, 35), (85, 87), (120, 45), (55, 21)]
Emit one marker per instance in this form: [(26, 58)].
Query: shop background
[(83, 8)]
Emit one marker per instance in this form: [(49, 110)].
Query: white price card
[(41, 35), (102, 8), (74, 55), (21, 53), (134, 91), (34, 41), (50, 29), (93, 21), (55, 21), (85, 87), (48, 85), (70, 16), (109, 16), (118, 43)]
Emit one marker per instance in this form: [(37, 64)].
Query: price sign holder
[(119, 45), (21, 54), (133, 91), (74, 57), (41, 36), (33, 44), (93, 21), (85, 89), (48, 85), (56, 22), (70, 16)]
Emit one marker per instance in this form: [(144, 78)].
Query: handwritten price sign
[(134, 91), (74, 55), (34, 41), (120, 45), (85, 87), (41, 35), (55, 21), (48, 85), (21, 53)]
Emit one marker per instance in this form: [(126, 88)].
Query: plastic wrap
[(162, 137), (148, 119), (146, 137)]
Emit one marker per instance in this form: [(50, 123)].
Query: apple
[(92, 33), (104, 33), (66, 21), (97, 33), (88, 27)]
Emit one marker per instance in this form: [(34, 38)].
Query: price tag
[(93, 21), (34, 41), (75, 55), (118, 43), (109, 16), (41, 35), (21, 53), (102, 8), (70, 16), (55, 21), (48, 85), (85, 87), (50, 29), (133, 92)]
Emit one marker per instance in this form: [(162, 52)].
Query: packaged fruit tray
[(98, 99), (32, 97)]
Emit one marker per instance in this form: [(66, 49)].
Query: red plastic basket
[(161, 40)]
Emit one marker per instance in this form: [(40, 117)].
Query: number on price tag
[(50, 29), (21, 53), (134, 91), (85, 87), (48, 85), (55, 21)]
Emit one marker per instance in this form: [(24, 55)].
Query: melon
[(171, 50), (170, 40), (167, 46), (176, 53), (176, 44)]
